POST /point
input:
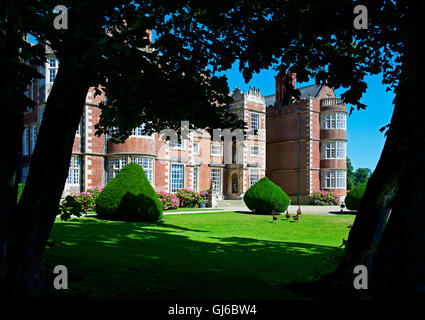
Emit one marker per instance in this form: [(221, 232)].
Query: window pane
[(177, 177), (255, 121), (195, 179), (216, 179), (253, 176)]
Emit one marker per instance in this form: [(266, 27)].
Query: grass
[(192, 209), (224, 255)]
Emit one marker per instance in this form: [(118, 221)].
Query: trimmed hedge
[(266, 197), (129, 197), (354, 198), (21, 187)]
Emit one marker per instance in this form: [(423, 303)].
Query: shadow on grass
[(345, 212), (118, 260), (258, 214)]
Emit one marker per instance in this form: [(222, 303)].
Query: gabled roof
[(305, 92)]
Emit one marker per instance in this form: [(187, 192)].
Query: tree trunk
[(397, 185), (8, 185), (12, 107), (399, 264), (379, 194), (38, 206), (399, 267)]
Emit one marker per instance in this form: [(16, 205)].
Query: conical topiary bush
[(266, 197), (353, 200), (129, 197)]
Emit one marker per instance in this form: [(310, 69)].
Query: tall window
[(115, 165), (52, 75), (254, 176), (216, 180), (53, 68), (334, 150), (26, 142), (74, 171), (177, 177), (340, 121), (216, 150), (333, 179), (195, 179), (24, 174), (196, 148), (255, 121), (33, 137), (255, 151), (333, 121), (147, 165)]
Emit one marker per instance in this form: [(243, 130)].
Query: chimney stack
[(281, 81)]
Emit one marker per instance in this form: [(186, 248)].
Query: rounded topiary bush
[(266, 197), (354, 198), (129, 197)]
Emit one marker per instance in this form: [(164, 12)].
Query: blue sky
[(365, 141)]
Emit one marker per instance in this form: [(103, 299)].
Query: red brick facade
[(306, 146), (306, 142), (198, 164)]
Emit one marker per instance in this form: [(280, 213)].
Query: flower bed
[(168, 200), (324, 198), (183, 198), (87, 199)]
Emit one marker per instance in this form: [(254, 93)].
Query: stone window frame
[(177, 188), (331, 150), (254, 154), (333, 179), (74, 171), (252, 181), (53, 69), (217, 187), (333, 120), (196, 151), (195, 179), (252, 123), (116, 163), (216, 154)]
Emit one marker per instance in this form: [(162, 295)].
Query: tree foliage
[(354, 178), (176, 77)]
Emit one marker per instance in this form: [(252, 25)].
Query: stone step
[(230, 203)]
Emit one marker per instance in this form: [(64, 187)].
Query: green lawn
[(224, 255), (191, 209)]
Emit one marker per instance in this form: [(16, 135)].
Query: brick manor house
[(306, 145), (307, 141), (197, 163)]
